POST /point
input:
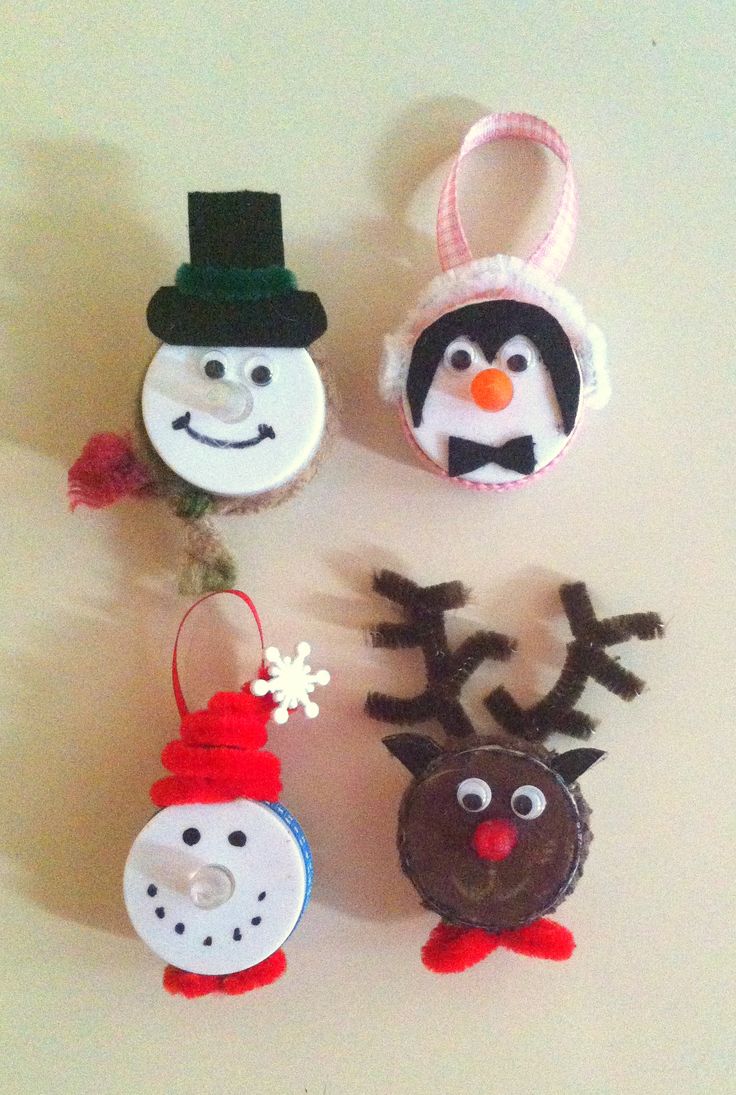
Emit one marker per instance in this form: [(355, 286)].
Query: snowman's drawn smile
[(180, 927), (264, 431)]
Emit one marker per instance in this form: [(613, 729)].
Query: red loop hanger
[(551, 253), (175, 680)]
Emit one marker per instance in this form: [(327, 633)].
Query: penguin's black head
[(490, 325)]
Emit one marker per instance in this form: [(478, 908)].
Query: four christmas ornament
[(218, 879), (235, 410), (492, 369), (490, 374)]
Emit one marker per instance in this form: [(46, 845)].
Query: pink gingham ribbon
[(551, 254)]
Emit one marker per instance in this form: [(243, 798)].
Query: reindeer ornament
[(493, 830)]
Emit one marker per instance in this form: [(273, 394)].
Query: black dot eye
[(460, 360), (517, 363), (179, 928), (191, 836), (152, 890), (214, 368), (261, 375), (237, 839)]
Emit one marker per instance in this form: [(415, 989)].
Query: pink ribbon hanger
[(550, 255)]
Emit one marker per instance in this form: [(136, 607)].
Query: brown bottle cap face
[(494, 864)]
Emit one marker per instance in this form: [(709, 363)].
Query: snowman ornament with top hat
[(234, 407)]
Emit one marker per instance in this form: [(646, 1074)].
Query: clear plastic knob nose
[(211, 886), (230, 402)]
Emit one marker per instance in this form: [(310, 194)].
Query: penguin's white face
[(491, 403), (215, 889), (234, 420)]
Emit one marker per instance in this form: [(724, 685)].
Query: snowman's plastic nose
[(230, 402), (211, 886), (492, 390)]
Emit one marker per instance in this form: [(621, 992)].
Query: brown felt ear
[(571, 765), (415, 751)]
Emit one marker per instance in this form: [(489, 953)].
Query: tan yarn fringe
[(207, 565)]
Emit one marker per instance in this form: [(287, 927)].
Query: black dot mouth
[(264, 432), (180, 927)]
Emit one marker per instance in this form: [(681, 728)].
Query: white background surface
[(352, 110)]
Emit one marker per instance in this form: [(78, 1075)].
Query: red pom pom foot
[(181, 983), (107, 470), (542, 939), (452, 948), (257, 977)]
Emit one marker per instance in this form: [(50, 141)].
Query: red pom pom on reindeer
[(493, 830)]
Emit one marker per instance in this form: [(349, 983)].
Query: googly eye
[(261, 375), (214, 365), (259, 370), (528, 802), (517, 363), (460, 355), (518, 354), (474, 795)]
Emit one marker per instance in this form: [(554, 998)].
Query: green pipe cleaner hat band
[(230, 284)]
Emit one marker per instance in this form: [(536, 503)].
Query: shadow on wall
[(79, 267), (371, 274), (92, 707)]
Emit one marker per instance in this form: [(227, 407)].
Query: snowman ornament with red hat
[(219, 878), (234, 408), (492, 369)]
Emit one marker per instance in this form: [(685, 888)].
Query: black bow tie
[(466, 456)]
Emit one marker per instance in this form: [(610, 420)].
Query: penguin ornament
[(219, 878), (493, 368), (234, 408)]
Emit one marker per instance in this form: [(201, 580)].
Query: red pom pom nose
[(494, 839)]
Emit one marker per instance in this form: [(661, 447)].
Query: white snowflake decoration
[(291, 682)]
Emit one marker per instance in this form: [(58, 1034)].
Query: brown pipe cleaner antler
[(586, 659), (447, 671)]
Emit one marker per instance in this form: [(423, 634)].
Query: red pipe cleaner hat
[(219, 755)]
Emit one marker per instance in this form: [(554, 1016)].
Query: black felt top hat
[(235, 291)]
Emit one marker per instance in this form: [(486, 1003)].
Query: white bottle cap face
[(529, 408), (234, 420), (215, 889)]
